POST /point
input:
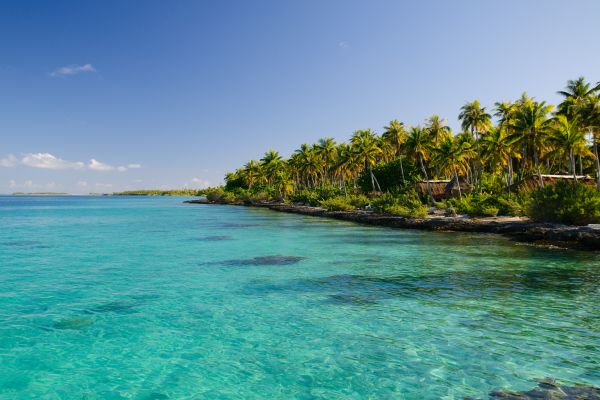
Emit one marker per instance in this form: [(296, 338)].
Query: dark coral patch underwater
[(265, 260)]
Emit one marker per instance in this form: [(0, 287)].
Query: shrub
[(214, 195), (306, 197), (337, 204), (487, 205), (407, 204), (314, 197), (565, 202)]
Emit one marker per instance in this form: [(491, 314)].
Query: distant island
[(40, 194)]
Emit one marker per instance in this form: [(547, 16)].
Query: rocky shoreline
[(520, 230)]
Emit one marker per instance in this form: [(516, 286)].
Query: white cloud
[(82, 184), (99, 166), (9, 161), (343, 45), (48, 161), (72, 70), (12, 184)]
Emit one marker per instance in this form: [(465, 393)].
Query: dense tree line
[(529, 137)]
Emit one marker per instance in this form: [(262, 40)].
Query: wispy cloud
[(9, 161), (343, 45), (96, 165), (49, 161), (72, 70)]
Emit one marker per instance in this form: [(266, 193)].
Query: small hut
[(443, 189)]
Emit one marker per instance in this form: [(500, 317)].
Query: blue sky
[(113, 95)]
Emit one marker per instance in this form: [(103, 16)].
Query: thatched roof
[(532, 181), (443, 189)]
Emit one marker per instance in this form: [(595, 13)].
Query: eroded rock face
[(549, 390), (266, 260)]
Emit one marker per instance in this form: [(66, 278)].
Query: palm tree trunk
[(402, 171), (580, 166), (427, 184), (457, 184), (572, 161), (537, 166)]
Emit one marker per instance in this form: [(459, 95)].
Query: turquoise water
[(148, 298)]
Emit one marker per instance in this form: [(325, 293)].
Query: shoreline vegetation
[(171, 192), (528, 167)]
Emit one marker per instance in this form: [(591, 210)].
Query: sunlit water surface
[(149, 298)]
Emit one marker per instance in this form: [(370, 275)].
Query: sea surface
[(150, 298)]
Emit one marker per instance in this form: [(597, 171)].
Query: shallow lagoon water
[(149, 298)]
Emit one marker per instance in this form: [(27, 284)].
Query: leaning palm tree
[(418, 144), (395, 134), (365, 146)]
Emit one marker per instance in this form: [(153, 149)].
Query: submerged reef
[(548, 389), (265, 260), (73, 323)]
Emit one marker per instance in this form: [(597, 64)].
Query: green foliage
[(215, 195), (314, 197), (236, 181), (339, 203), (487, 205), (389, 176), (406, 204), (565, 202), (175, 192)]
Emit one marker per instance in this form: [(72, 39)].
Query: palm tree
[(252, 170), (531, 125), (326, 149), (419, 144), (437, 129), (505, 111), (497, 148), (475, 119), (272, 163), (575, 92), (365, 146), (568, 136), (395, 134), (589, 110), (451, 156)]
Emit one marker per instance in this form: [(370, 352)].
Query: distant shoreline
[(518, 230)]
